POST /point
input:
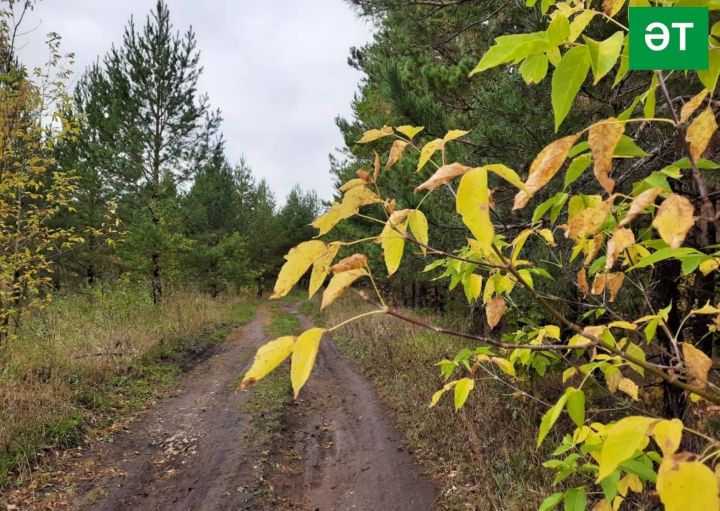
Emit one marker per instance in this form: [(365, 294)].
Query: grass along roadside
[(483, 457), (91, 358)]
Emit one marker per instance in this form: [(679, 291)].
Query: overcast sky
[(276, 68)]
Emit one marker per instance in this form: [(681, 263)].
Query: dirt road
[(189, 451)]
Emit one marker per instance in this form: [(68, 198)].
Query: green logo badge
[(669, 38)]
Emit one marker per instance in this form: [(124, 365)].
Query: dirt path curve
[(352, 455), (189, 452)]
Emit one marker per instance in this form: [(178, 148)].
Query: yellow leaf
[(620, 240), (706, 309), (639, 204), (353, 262), (613, 377), (418, 224), (504, 365), (321, 267), (701, 131), (267, 358), (462, 391), (410, 131), (698, 364), (623, 439), (355, 198), (612, 7), (629, 387), (668, 434), (689, 108), (428, 150), (602, 505), (544, 168), (443, 175), (396, 152), (392, 239), (629, 482), (495, 310), (507, 174), (298, 261), (454, 134), (709, 266), (303, 357), (547, 235), (473, 204), (437, 395), (603, 138), (686, 485), (674, 220), (339, 283), (476, 282), (588, 221), (568, 373), (352, 184), (375, 134), (614, 283)]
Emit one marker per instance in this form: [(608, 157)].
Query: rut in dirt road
[(352, 455), (191, 451)]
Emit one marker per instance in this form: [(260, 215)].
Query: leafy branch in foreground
[(605, 244)]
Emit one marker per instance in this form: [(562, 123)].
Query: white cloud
[(276, 68)]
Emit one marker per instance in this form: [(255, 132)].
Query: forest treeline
[(125, 175)]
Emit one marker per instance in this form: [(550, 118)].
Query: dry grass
[(482, 457), (93, 355)]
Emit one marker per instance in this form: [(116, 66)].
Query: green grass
[(267, 404), (91, 358)]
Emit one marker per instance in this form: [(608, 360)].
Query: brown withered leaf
[(612, 7), (443, 175), (599, 284), (698, 364), (594, 246), (376, 166), (674, 219), (620, 240), (701, 131), (364, 175), (640, 204), (614, 282), (544, 168), (582, 281), (353, 262), (603, 138), (689, 108), (396, 153), (495, 310)]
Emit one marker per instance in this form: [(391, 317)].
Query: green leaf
[(551, 417), (649, 108), (576, 407), (609, 485), (627, 148), (576, 168), (567, 79), (509, 48), (559, 30), (604, 54), (709, 77), (462, 390), (551, 502), (534, 68), (575, 499), (663, 254)]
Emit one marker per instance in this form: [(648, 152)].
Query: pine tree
[(154, 129)]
